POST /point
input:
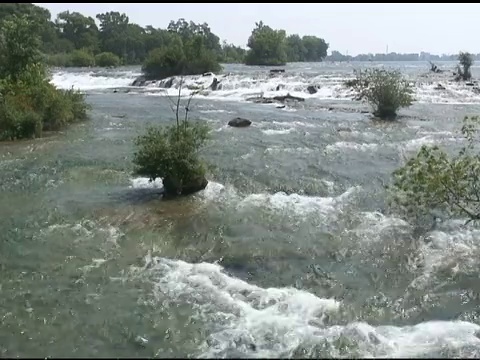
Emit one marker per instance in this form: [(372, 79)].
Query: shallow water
[(290, 251)]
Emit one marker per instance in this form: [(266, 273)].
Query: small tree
[(172, 153), (463, 69), (432, 180), (385, 90)]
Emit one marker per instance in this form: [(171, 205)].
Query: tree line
[(393, 56), (73, 39)]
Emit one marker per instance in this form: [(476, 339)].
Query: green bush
[(81, 58), (385, 90), (164, 62), (58, 60), (433, 180), (29, 104), (172, 154), (107, 59)]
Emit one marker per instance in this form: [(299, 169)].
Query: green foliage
[(267, 46), (132, 43), (232, 54), (29, 104), (180, 58), (81, 58), (385, 90), (172, 153), (58, 60), (315, 48), (18, 46), (273, 47), (107, 59), (466, 62), (433, 180)]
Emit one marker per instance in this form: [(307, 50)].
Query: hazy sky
[(356, 28)]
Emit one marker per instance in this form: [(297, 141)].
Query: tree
[(385, 90), (466, 62), (113, 32), (316, 48), (179, 58), (267, 46), (80, 30), (189, 30), (172, 153), (433, 180), (19, 47), (232, 54), (296, 50)]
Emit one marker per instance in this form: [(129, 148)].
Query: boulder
[(172, 187), (470, 84), (214, 85), (239, 122), (439, 87), (312, 89), (139, 81)]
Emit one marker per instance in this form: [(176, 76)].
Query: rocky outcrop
[(283, 98), (139, 81), (239, 122), (172, 187), (311, 89), (287, 97)]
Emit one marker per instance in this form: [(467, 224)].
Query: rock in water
[(172, 187), (139, 81), (214, 84), (239, 122), (312, 89)]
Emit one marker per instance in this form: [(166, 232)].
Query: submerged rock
[(172, 187), (239, 122), (440, 87), (277, 71)]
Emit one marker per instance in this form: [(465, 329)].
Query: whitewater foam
[(242, 319), (239, 87)]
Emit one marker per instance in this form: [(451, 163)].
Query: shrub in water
[(385, 90)]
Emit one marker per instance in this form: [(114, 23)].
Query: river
[(290, 251)]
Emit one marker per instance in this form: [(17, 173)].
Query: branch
[(178, 101), (457, 203)]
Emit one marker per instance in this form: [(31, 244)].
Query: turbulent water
[(290, 251)]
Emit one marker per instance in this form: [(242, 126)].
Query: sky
[(353, 28)]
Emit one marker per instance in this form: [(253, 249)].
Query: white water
[(276, 322), (239, 87)]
